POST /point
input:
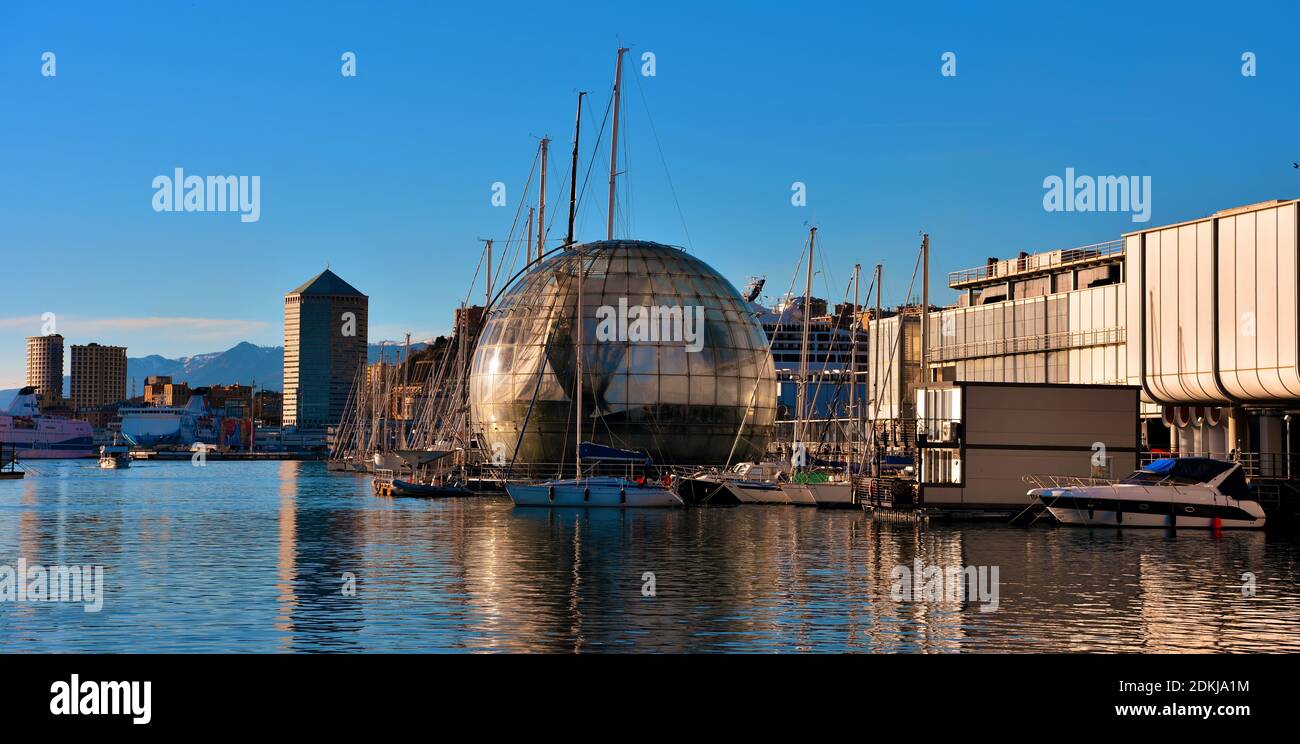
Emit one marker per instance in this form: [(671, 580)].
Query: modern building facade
[(45, 368), (325, 342), (1202, 317), (98, 376)]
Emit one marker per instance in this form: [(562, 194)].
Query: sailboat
[(837, 490), (633, 486), (799, 491)]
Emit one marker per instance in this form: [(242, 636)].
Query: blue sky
[(387, 175)]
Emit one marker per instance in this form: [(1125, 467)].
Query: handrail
[(1037, 262)]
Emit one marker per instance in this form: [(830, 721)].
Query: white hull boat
[(799, 494), (833, 494), (598, 491), (757, 483), (1195, 493)]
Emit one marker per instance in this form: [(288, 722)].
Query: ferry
[(32, 435), (153, 425)]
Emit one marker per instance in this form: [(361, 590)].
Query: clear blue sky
[(387, 175)]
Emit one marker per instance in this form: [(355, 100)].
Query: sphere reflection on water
[(681, 400)]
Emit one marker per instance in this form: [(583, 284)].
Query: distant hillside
[(243, 363)]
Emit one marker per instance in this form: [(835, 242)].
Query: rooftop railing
[(1032, 343), (1036, 262)]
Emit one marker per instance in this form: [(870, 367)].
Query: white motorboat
[(114, 458), (1190, 492)]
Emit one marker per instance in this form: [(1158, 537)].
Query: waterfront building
[(159, 390), (45, 368), (231, 401), (98, 380), (268, 407), (1202, 316), (325, 327)]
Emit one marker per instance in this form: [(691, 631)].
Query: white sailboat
[(628, 489)]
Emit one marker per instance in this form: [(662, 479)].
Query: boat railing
[(527, 472), (384, 475), (1044, 480)]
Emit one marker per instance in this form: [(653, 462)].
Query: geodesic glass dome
[(681, 401)]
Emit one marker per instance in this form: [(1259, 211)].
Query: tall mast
[(876, 343), (925, 306), (613, 142), (573, 173), (528, 246), (401, 398), (577, 356), (488, 278), (803, 350), (541, 203), (853, 366)]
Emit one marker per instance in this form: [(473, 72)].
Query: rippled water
[(251, 557)]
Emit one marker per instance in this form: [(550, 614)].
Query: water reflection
[(252, 557)]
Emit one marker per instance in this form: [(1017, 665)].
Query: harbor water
[(283, 557)]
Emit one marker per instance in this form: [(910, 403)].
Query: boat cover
[(592, 451)]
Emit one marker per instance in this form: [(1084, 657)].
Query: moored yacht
[(1192, 492), (757, 483), (633, 488)]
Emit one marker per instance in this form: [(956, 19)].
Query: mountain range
[(243, 363)]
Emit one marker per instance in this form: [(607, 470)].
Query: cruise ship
[(33, 435), (152, 425)]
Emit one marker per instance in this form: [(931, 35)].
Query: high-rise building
[(45, 368), (325, 344), (98, 375)]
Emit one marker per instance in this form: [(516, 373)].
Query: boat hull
[(833, 495), (757, 492), (705, 492), (407, 488), (799, 494), (592, 492), (1186, 508)]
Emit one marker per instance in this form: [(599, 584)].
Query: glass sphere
[(675, 364)]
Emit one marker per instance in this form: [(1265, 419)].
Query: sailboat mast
[(613, 142), (853, 366), (573, 170), (577, 356), (876, 343), (925, 306), (541, 203), (528, 245), (488, 277), (803, 347)]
